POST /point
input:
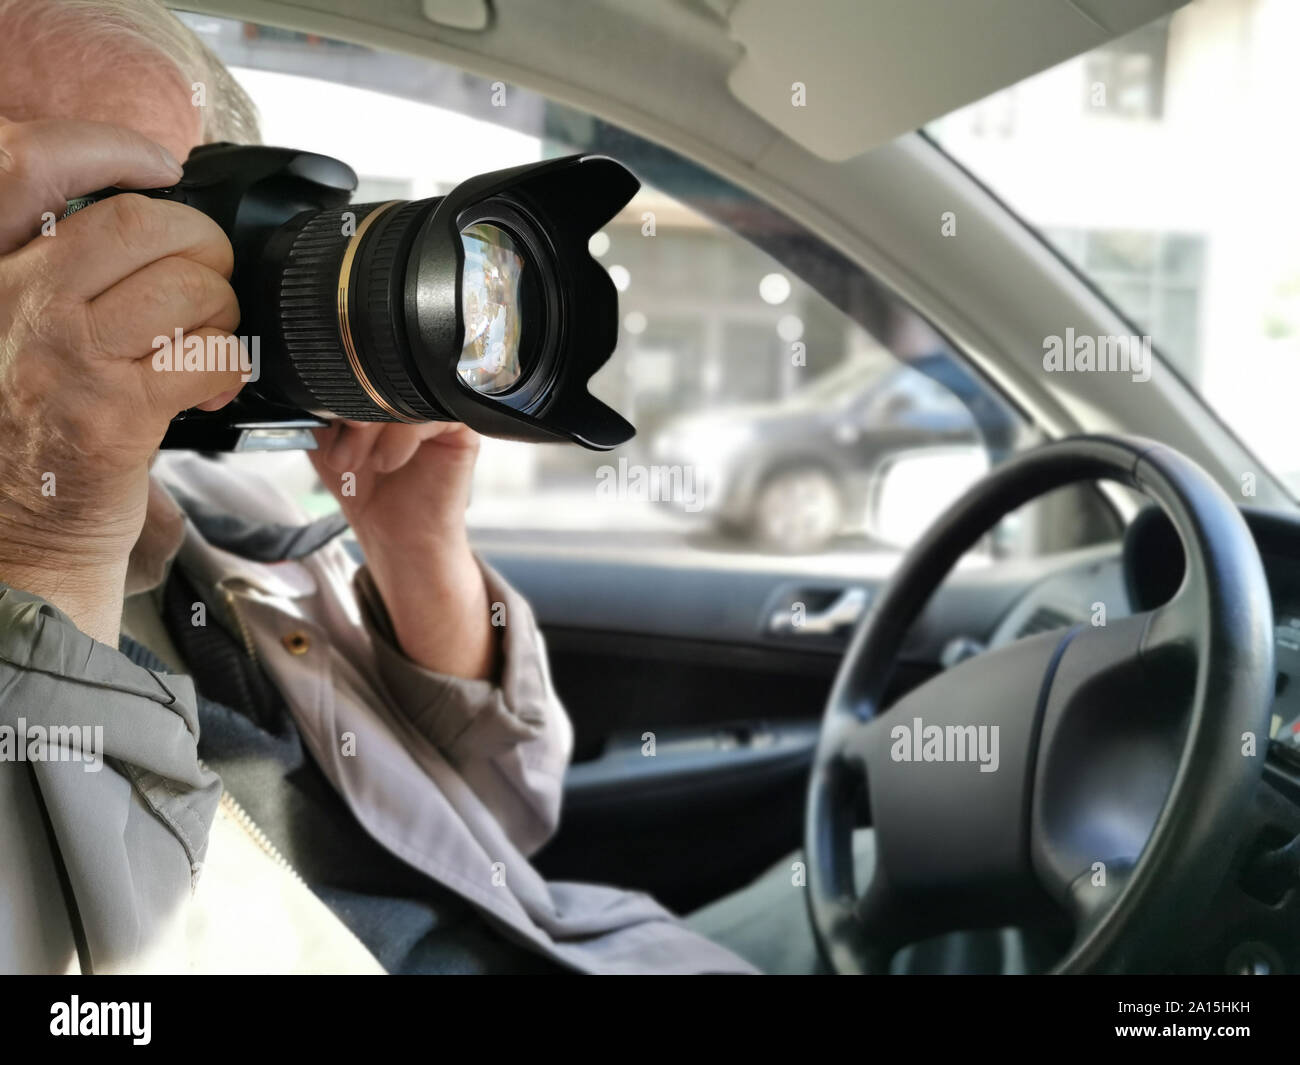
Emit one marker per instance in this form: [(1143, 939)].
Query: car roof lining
[(873, 70)]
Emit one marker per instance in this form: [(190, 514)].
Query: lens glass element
[(490, 299)]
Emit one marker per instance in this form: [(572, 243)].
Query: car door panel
[(694, 714)]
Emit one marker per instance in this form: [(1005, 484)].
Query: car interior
[(1101, 559)]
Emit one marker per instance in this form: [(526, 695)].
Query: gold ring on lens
[(345, 327)]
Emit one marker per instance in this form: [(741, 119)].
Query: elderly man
[(387, 757)]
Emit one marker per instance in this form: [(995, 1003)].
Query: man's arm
[(439, 606), (404, 489), (100, 848), (457, 648), (509, 737)]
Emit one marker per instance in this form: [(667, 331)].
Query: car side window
[(786, 403)]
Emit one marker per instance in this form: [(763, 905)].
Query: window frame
[(864, 299)]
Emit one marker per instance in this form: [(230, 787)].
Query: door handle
[(847, 609)]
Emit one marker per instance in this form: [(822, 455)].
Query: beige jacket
[(460, 779)]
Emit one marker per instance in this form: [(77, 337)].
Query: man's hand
[(406, 503), (82, 409)]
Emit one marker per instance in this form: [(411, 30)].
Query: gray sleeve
[(510, 739), (104, 806)]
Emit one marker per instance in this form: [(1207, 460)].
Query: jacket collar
[(218, 546)]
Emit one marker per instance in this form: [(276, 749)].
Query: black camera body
[(360, 311)]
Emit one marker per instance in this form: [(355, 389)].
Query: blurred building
[(1164, 164)]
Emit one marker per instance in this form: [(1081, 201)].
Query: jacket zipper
[(228, 801), (233, 607), (241, 817)]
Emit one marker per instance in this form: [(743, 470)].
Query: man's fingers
[(324, 440), (352, 446), (170, 391), (170, 294), (217, 402), (43, 164), (128, 232), (395, 448)]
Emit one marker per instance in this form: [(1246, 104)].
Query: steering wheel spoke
[(1174, 632)]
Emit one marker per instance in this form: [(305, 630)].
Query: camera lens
[(491, 360), (344, 292), (483, 306)]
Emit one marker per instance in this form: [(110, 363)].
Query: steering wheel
[(1085, 781)]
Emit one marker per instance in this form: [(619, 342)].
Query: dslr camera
[(483, 306)]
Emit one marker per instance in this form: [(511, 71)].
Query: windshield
[(1164, 166)]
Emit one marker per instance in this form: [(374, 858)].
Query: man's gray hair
[(228, 114)]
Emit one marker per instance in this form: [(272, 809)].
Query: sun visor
[(839, 77)]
